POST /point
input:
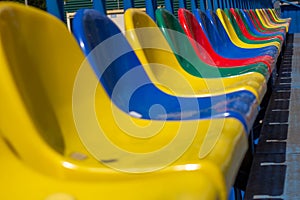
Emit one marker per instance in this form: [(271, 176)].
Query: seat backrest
[(255, 19), (172, 30), (270, 15), (109, 52), (169, 44), (234, 22), (40, 59), (218, 25), (262, 17), (148, 42), (210, 30), (246, 18), (39, 62), (199, 39), (227, 25), (238, 20), (180, 43)]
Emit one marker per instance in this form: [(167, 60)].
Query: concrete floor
[(275, 172), (292, 180)]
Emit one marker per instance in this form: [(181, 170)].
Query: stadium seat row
[(162, 111)]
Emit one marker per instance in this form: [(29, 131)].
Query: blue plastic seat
[(129, 87), (247, 53)]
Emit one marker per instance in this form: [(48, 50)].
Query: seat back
[(167, 51), (242, 24), (246, 19), (39, 65), (210, 31), (39, 62), (219, 26), (234, 23), (180, 43), (109, 53), (227, 25), (187, 47), (257, 20)]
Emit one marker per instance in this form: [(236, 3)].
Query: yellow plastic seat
[(62, 138), (234, 37), (143, 35), (18, 181)]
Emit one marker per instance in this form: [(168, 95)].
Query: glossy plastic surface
[(252, 33), (234, 36), (91, 29), (251, 25), (204, 33), (277, 18), (246, 52), (136, 24), (262, 26), (246, 37), (199, 43), (273, 19), (42, 156), (266, 21)]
